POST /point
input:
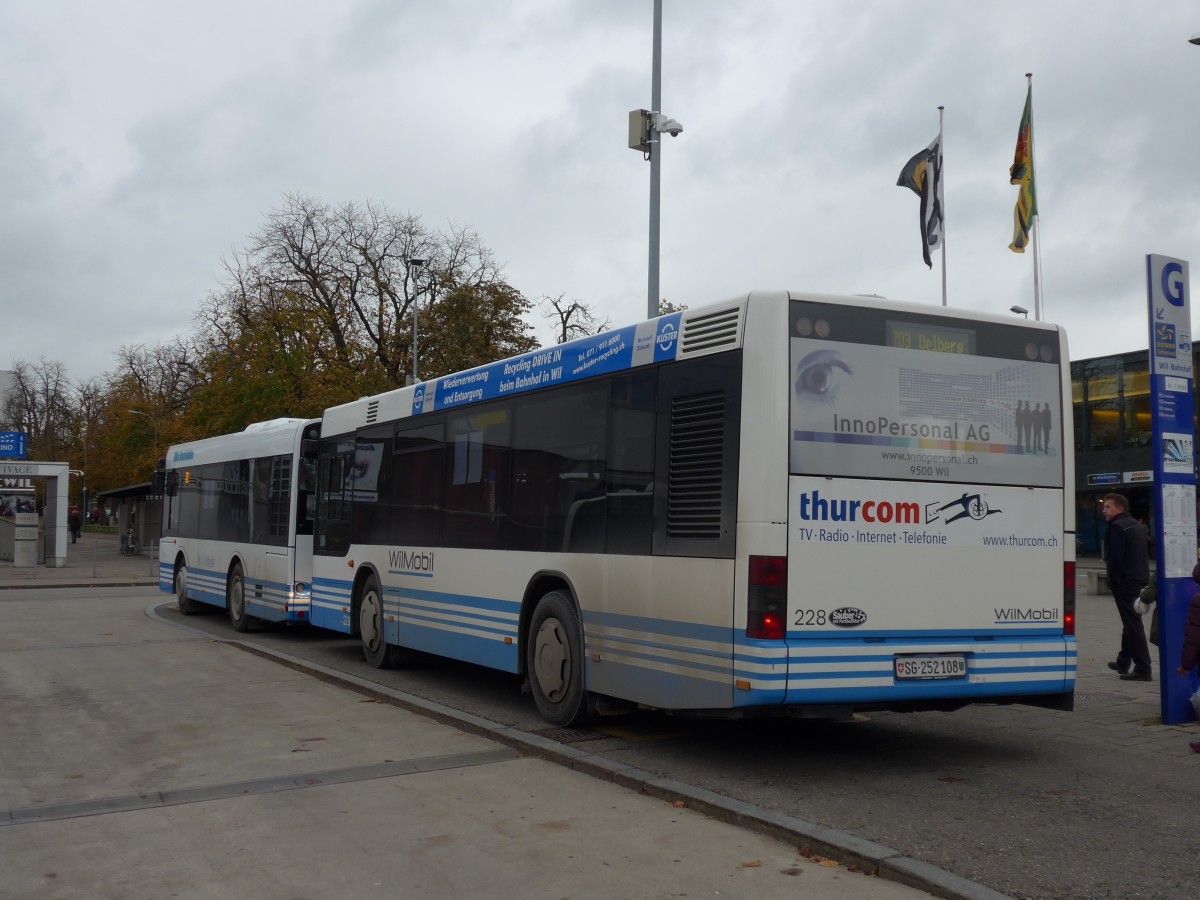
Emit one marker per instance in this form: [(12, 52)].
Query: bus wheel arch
[(187, 605), (235, 596), (367, 619), (554, 653)]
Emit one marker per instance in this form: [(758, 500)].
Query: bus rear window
[(879, 394)]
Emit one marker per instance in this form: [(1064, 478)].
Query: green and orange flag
[(1022, 173)]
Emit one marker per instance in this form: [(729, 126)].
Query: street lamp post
[(415, 262), (646, 127), (153, 421), (1019, 310)]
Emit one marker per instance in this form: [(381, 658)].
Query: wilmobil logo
[(411, 562), (1018, 616)]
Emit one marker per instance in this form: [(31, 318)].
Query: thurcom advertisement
[(940, 556), (886, 412)]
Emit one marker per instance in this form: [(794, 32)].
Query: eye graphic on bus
[(817, 376)]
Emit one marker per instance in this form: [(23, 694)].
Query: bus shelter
[(137, 507)]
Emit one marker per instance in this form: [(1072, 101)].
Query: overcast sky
[(142, 141)]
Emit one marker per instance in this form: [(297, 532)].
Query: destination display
[(930, 338)]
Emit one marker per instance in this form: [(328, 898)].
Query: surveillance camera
[(668, 126)]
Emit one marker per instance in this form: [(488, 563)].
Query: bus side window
[(477, 443), (335, 506), (630, 490), (306, 496)]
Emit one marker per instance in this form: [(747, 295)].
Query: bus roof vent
[(694, 477), (372, 412), (710, 332)]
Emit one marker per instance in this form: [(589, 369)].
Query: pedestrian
[(1126, 558), (1191, 642), (73, 524)]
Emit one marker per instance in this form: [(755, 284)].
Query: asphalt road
[(1025, 801)]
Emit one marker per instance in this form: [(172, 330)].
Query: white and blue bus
[(785, 503), (238, 522)]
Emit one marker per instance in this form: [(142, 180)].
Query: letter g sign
[(1172, 283)]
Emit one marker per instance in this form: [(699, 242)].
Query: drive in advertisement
[(874, 411)]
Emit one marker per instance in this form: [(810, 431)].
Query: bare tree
[(161, 376), (572, 319), (349, 270)]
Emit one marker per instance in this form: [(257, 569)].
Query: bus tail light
[(766, 617), (1068, 598)]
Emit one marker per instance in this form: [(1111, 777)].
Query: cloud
[(151, 139)]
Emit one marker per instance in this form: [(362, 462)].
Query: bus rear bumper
[(1032, 669)]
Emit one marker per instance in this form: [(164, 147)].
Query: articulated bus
[(238, 522), (785, 503)]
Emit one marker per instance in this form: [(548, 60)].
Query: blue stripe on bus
[(715, 633), (724, 669), (599, 636), (432, 620), (484, 603), (930, 635), (455, 645)]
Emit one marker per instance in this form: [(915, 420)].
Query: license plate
[(909, 668)]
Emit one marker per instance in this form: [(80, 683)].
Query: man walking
[(1128, 565)]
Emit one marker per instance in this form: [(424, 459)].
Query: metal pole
[(652, 293), (942, 183), (1037, 263), (411, 263)]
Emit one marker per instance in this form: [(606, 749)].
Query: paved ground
[(143, 760), (1111, 823)]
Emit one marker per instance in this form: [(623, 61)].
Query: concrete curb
[(843, 846)]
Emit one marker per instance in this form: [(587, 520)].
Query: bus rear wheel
[(235, 599), (554, 660), (187, 605), (370, 625)]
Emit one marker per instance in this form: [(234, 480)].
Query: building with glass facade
[(1111, 405)]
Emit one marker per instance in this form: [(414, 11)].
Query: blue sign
[(1172, 404), (598, 354), (13, 445)]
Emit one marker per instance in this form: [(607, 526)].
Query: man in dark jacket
[(1128, 565)]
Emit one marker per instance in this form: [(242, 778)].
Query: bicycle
[(130, 545)]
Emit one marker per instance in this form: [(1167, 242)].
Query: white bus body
[(237, 522), (784, 503)]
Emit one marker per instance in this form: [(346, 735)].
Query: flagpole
[(1037, 230), (942, 178)]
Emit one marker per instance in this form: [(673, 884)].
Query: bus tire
[(187, 605), (554, 660), (370, 625), (235, 599)]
